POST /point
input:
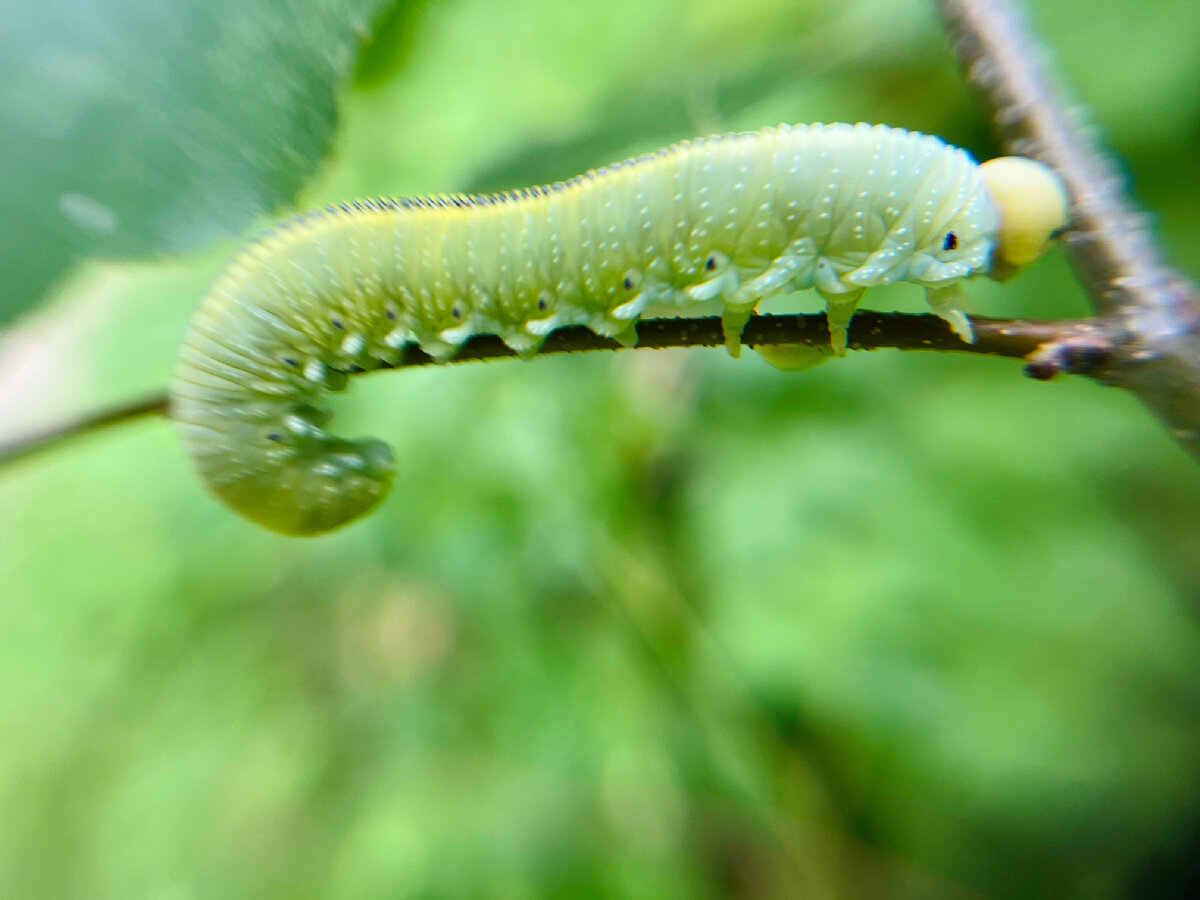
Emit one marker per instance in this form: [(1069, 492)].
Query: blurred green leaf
[(637, 625), (134, 127)]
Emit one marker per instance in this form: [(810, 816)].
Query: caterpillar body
[(732, 219)]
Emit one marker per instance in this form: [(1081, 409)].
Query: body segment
[(731, 219)]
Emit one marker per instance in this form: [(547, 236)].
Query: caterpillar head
[(1033, 207)]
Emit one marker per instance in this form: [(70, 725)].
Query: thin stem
[(1011, 338), (27, 445)]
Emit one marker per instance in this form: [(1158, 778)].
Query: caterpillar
[(730, 219)]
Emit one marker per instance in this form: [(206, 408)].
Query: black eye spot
[(290, 363), (391, 314), (710, 264), (628, 282), (542, 303), (275, 436), (951, 241), (456, 311), (337, 323)]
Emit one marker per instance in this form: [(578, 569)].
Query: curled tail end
[(295, 481)]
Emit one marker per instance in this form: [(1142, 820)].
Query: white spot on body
[(314, 370)]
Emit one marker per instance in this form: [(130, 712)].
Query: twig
[(1012, 338), (153, 405), (1152, 315)]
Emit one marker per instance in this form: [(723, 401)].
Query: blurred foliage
[(136, 126), (630, 625)]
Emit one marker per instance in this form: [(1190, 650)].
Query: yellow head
[(1033, 208)]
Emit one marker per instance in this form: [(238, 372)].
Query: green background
[(636, 624)]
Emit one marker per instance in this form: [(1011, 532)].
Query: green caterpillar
[(732, 219)]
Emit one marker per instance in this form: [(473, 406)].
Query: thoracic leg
[(733, 323), (840, 310)]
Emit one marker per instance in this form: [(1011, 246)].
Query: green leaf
[(134, 127)]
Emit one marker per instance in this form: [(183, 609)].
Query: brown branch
[(1152, 315), (1012, 338)]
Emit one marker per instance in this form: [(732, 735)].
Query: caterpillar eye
[(631, 280), (457, 311), (710, 264), (542, 303), (951, 241)]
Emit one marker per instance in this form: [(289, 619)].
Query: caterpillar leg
[(737, 308), (948, 303), (623, 331), (627, 337), (839, 311), (775, 280), (733, 323)]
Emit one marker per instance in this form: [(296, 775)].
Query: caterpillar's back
[(733, 219)]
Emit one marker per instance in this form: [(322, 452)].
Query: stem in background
[(1152, 312), (1077, 346), (153, 405)]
